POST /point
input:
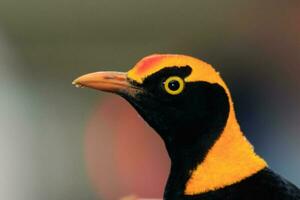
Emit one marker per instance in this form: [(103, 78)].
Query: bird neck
[(230, 160), (227, 159)]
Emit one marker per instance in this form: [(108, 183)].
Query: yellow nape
[(230, 160)]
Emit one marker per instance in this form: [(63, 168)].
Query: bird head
[(183, 98), (188, 104)]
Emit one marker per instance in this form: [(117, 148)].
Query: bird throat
[(230, 160)]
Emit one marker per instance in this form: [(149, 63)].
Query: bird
[(188, 104)]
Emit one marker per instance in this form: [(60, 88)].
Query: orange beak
[(115, 82)]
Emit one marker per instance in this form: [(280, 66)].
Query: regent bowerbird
[(189, 105)]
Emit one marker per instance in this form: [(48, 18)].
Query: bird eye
[(174, 85)]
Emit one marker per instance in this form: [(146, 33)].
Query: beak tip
[(77, 84)]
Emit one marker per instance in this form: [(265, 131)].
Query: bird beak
[(115, 82)]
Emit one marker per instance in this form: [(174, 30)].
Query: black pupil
[(174, 85)]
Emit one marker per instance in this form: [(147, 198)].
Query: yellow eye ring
[(174, 85)]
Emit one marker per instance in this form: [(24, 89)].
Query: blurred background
[(59, 143)]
